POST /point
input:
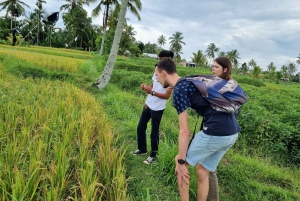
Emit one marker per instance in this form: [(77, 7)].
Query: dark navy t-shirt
[(214, 122)]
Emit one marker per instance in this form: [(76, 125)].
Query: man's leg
[(213, 193), (156, 119), (141, 130), (203, 183)]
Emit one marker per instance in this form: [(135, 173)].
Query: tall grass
[(56, 144)]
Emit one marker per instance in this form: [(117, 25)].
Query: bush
[(250, 81)]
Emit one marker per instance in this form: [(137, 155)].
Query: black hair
[(166, 53), (167, 64)]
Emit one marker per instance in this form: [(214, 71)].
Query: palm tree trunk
[(106, 74), (102, 41), (104, 29)]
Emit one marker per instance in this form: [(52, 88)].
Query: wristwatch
[(153, 93), (181, 161)]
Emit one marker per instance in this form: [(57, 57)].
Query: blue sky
[(266, 31)]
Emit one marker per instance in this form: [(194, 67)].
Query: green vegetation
[(62, 139)]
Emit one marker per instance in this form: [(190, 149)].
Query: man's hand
[(182, 172), (148, 89)]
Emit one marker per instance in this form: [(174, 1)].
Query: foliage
[(199, 58), (250, 81)]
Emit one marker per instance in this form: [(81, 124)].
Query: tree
[(252, 63), (14, 7), (71, 4), (105, 77), (284, 70), (291, 68), (222, 54), (278, 76), (161, 40), (176, 44), (270, 66), (39, 11), (234, 55), (272, 74), (211, 50), (298, 59), (244, 69), (199, 58), (256, 72), (134, 7)]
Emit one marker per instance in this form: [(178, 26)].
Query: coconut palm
[(256, 72), (272, 74), (134, 7), (39, 11), (161, 40), (284, 70), (234, 55), (252, 63), (298, 60), (199, 58), (176, 44), (211, 50), (71, 4), (106, 74), (291, 68), (222, 54), (270, 66), (14, 7)]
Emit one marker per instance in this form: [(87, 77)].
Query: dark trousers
[(155, 117)]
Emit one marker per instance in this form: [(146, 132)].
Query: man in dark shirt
[(220, 131)]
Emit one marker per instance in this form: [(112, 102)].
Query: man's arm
[(184, 135), (166, 95)]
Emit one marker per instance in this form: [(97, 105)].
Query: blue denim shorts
[(208, 150)]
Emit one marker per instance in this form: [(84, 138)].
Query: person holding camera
[(153, 109)]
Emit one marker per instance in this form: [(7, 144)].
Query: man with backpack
[(153, 109), (216, 100)]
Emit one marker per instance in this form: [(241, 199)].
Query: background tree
[(105, 77), (234, 55), (298, 59), (150, 48), (272, 74), (252, 63), (199, 58), (270, 66), (161, 40), (256, 72), (176, 44), (291, 68), (284, 70), (244, 69), (211, 50), (14, 7), (278, 76), (222, 54)]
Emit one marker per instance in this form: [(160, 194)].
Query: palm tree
[(252, 63), (176, 44), (272, 73), (284, 70), (211, 50), (278, 76), (298, 60), (39, 12), (256, 72), (222, 54), (199, 58), (161, 40), (234, 55), (105, 77), (270, 66), (291, 68), (133, 5), (14, 7)]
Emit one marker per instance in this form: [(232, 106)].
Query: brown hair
[(225, 63)]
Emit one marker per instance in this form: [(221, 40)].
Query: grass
[(66, 140)]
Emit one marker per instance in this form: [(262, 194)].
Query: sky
[(263, 30)]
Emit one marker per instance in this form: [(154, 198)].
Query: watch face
[(181, 161)]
